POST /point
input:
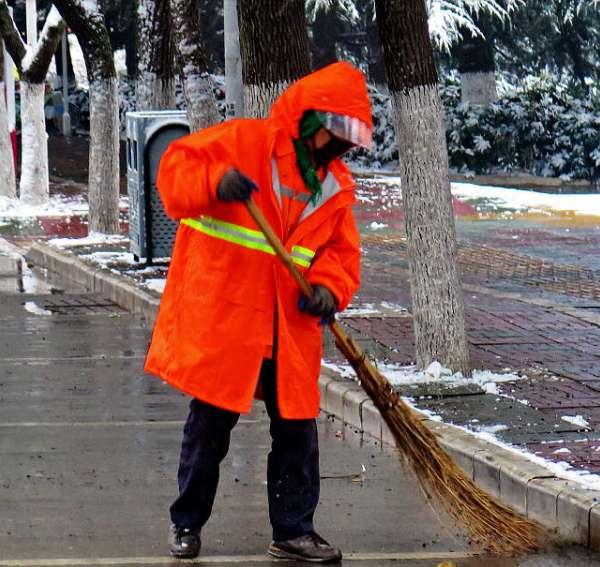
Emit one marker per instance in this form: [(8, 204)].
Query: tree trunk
[(197, 83), (34, 184), (88, 24), (155, 89), (33, 63), (8, 187), (275, 50), (324, 36), (234, 89), (437, 301), (477, 66)]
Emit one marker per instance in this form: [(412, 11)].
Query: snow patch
[(91, 239), (33, 307), (519, 199), (156, 284), (578, 420), (435, 373)]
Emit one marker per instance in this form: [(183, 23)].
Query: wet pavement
[(89, 449)]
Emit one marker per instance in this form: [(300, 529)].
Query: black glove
[(234, 186), (321, 303)]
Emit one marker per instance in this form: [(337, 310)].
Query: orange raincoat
[(228, 299)]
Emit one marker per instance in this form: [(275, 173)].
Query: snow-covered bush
[(542, 128)]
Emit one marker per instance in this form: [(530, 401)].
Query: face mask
[(333, 149)]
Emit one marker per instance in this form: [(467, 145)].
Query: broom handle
[(285, 257)]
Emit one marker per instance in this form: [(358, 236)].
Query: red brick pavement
[(503, 333)]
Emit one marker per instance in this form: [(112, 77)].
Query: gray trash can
[(151, 231)]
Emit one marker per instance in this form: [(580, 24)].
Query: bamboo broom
[(492, 525)]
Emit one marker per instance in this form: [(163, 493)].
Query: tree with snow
[(155, 87), (275, 50), (85, 19), (32, 63), (197, 83), (8, 186), (437, 302)]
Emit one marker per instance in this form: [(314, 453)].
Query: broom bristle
[(493, 526)]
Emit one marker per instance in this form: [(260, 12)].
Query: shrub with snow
[(543, 128)]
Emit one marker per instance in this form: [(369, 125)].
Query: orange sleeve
[(191, 168), (337, 264)]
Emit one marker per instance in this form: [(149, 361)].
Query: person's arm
[(190, 171), (337, 264)]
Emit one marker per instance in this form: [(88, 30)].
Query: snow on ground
[(578, 420), (156, 284), (93, 238), (519, 199), (33, 307), (58, 206), (365, 309), (561, 469), (500, 197), (435, 373)]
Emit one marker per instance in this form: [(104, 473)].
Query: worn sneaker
[(310, 547), (184, 543)]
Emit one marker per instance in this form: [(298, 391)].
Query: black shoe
[(310, 547), (184, 543)]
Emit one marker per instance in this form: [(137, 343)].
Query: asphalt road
[(89, 449)]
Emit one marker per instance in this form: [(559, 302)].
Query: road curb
[(94, 279), (564, 507), (560, 505)]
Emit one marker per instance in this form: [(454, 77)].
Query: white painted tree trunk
[(8, 187), (201, 104), (34, 186), (436, 290), (104, 152), (234, 93), (154, 93), (479, 88), (258, 99)]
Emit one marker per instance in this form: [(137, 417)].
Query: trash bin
[(151, 231)]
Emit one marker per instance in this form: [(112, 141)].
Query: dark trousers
[(292, 468)]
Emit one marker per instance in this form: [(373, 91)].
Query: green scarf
[(309, 124)]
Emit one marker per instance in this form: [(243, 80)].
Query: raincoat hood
[(339, 88)]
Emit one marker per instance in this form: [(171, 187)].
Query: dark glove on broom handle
[(235, 186), (321, 303)]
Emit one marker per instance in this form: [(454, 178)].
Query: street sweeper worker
[(232, 322)]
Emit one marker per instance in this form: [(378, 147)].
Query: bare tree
[(32, 63), (437, 301), (197, 83), (275, 50), (8, 187), (155, 87), (84, 18)]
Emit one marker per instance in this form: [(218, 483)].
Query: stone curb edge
[(562, 506), (570, 511), (94, 279)]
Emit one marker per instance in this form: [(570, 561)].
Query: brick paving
[(559, 352)]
